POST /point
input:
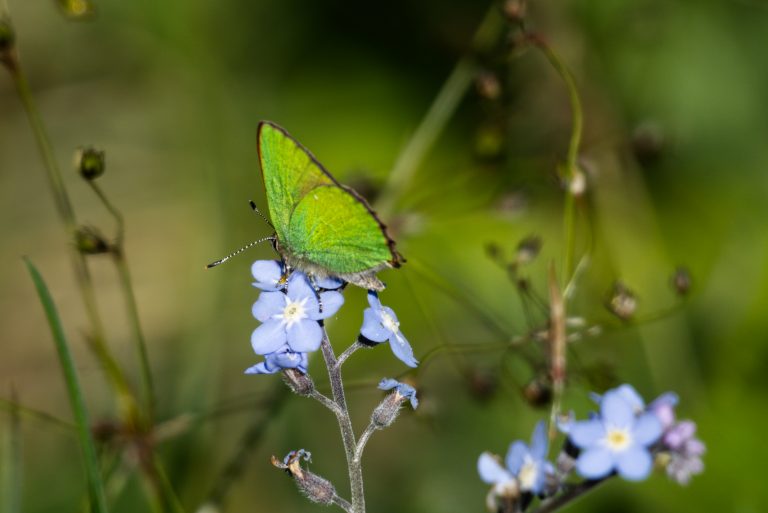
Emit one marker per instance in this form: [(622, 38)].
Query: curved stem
[(568, 496), (348, 352), (345, 426), (361, 443)]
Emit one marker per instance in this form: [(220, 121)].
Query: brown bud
[(622, 302), (299, 382), (681, 281), (514, 10), (90, 163), (488, 85), (537, 393), (314, 487), (387, 410)]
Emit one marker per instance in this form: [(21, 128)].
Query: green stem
[(96, 339), (439, 113), (571, 165), (121, 263)]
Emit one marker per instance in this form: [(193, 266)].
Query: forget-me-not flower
[(380, 324), (281, 359), (619, 439), (529, 464), (291, 317), (406, 391), (268, 275)]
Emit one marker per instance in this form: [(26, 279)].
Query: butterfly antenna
[(256, 209), (249, 245)]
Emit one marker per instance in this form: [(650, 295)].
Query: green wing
[(289, 173), (332, 228), (317, 219)]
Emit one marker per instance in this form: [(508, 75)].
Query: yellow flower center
[(293, 312), (527, 475), (618, 439)]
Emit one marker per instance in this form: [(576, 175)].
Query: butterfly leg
[(316, 288)]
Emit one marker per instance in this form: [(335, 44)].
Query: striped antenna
[(256, 209), (249, 245)]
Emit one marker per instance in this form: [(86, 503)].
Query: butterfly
[(322, 228)]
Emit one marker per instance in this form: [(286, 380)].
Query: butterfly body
[(322, 227)]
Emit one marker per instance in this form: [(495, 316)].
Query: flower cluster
[(291, 307), (623, 438)]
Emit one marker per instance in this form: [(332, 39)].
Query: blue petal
[(268, 304), (285, 359), (260, 368), (330, 301), (299, 287), (402, 349), (616, 411), (267, 274), (305, 336), (329, 283), (630, 395), (586, 433), (634, 464), (595, 463), (539, 441), (373, 300), (515, 457), (491, 471), (388, 384), (647, 429), (268, 337), (372, 328)]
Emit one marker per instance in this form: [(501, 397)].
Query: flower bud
[(514, 10), (528, 249), (298, 382), (681, 281), (537, 392), (77, 9), (387, 410), (622, 302), (488, 85), (89, 241), (314, 487), (90, 163)]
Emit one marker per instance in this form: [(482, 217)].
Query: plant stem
[(571, 166), (348, 352), (96, 339), (121, 263), (361, 443), (345, 425), (568, 496)]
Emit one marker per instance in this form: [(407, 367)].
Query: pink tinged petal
[(586, 433), (515, 457), (402, 349), (694, 447), (330, 302), (616, 411), (634, 464), (647, 429), (268, 337), (305, 336), (595, 463), (267, 274), (491, 471), (372, 328), (539, 441), (268, 304)]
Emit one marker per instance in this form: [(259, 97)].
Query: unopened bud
[(514, 10), (77, 8), (314, 487), (298, 382), (681, 281), (90, 163), (528, 249), (89, 241), (622, 302), (488, 85), (387, 410), (482, 384), (537, 393)]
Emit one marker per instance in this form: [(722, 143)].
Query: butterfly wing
[(319, 222)]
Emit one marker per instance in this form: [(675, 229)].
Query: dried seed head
[(299, 382), (314, 487)]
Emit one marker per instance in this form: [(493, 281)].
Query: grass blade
[(99, 503), (10, 466)]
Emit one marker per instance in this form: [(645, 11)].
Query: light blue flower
[(328, 283), (405, 390), (281, 359), (529, 464), (380, 324), (618, 439), (291, 317), (268, 275)]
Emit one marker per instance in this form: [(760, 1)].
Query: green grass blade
[(99, 503), (10, 465)]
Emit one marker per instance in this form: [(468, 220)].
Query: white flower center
[(293, 312), (528, 473), (617, 439), (389, 322)]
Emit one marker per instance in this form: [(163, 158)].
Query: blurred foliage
[(674, 148)]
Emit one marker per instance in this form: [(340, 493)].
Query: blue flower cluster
[(624, 438), (290, 309)]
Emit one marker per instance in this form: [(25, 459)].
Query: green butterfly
[(322, 227)]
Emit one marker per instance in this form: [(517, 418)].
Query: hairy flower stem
[(96, 338), (568, 496), (345, 425)]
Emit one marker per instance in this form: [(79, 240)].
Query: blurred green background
[(676, 124)]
